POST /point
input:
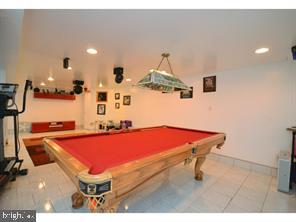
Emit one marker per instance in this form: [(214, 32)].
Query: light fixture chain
[(160, 63), (170, 65), (165, 55)]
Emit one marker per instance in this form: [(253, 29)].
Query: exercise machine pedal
[(23, 172)]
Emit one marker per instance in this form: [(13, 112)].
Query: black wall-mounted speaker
[(118, 71), (77, 89), (66, 63), (78, 82), (118, 78), (294, 52), (36, 89)]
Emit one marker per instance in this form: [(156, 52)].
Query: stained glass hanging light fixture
[(162, 81)]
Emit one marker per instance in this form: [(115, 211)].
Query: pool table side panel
[(128, 177), (136, 175), (202, 146)]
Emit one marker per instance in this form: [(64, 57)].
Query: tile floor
[(225, 188)]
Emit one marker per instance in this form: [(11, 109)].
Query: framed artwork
[(117, 96), (117, 105), (209, 84), (101, 109), (101, 96), (126, 100), (187, 94)]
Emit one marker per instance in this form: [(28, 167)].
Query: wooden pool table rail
[(127, 177)]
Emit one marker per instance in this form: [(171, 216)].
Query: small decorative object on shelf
[(110, 125), (101, 125), (125, 124)]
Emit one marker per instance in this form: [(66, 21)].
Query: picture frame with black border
[(101, 109), (209, 84), (186, 94), (117, 96), (102, 96), (126, 100), (117, 105)]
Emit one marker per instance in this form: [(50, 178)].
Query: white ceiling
[(200, 41)]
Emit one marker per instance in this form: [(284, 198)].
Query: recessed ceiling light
[(261, 50), (41, 186), (69, 68), (92, 51), (42, 84), (100, 85), (128, 80), (50, 79)]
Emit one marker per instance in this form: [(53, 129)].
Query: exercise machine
[(10, 167)]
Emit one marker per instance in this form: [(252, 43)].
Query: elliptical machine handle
[(27, 86)]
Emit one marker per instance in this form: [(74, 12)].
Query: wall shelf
[(41, 95)]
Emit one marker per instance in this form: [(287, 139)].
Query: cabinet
[(39, 127)]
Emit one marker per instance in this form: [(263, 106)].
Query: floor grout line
[(231, 166), (261, 210), (249, 172)]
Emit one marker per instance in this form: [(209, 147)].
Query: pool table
[(107, 167)]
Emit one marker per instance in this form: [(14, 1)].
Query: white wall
[(43, 110), (90, 107), (253, 106)]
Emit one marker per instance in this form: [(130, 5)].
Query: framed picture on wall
[(126, 100), (187, 94), (117, 96), (101, 109), (209, 84), (101, 96), (117, 105)]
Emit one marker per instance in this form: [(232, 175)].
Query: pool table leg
[(198, 163), (77, 200)]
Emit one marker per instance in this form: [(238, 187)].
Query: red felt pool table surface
[(100, 152)]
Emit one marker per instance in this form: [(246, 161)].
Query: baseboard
[(272, 171)]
